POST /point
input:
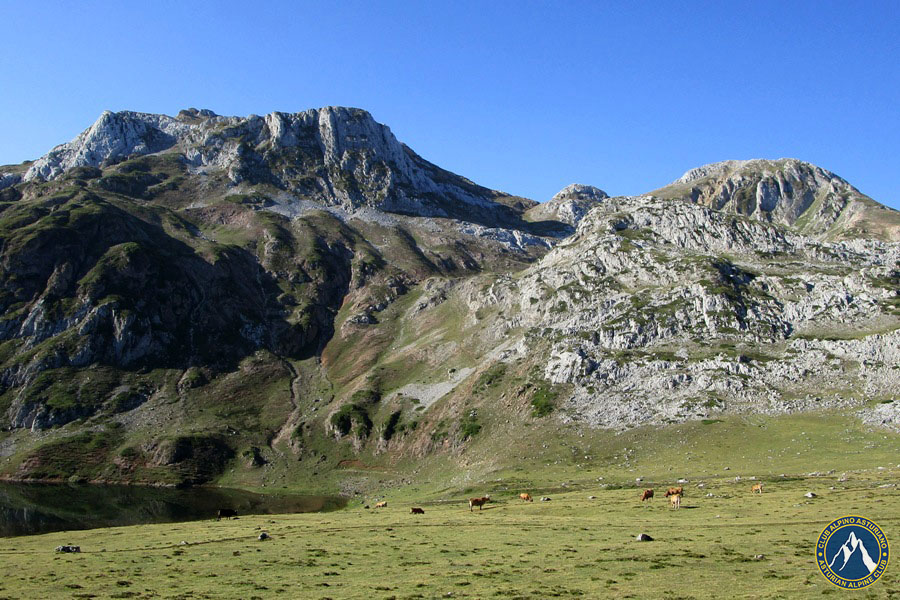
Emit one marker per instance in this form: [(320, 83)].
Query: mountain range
[(191, 298)]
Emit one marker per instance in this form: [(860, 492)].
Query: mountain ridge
[(396, 179), (306, 153), (184, 295)]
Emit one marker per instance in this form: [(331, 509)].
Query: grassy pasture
[(571, 546)]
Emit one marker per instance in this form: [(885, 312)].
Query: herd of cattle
[(674, 494)]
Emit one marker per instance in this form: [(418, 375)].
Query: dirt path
[(285, 431)]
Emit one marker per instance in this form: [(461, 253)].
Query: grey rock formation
[(9, 180), (569, 205), (112, 137), (789, 192)]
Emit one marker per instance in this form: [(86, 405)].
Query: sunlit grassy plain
[(571, 546)]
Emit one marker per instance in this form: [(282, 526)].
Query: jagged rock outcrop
[(114, 136), (569, 205), (790, 192), (9, 180)]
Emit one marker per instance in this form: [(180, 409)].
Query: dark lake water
[(27, 509)]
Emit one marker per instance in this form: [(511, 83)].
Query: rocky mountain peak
[(569, 205), (336, 156), (578, 191), (189, 114), (789, 192), (760, 167), (113, 136), (241, 274)]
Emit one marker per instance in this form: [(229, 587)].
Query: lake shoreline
[(34, 507)]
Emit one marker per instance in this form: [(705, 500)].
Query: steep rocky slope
[(788, 191), (657, 311), (182, 297)]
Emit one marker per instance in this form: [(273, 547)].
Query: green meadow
[(731, 544)]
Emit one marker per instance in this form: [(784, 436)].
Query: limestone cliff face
[(333, 155), (790, 192)]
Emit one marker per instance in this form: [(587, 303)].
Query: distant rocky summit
[(569, 205), (790, 192), (182, 297)]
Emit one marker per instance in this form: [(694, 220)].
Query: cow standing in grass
[(226, 513), (647, 495), (756, 489), (526, 497), (479, 502), (675, 491), (675, 501)]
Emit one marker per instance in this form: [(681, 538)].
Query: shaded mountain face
[(153, 254), (184, 295), (787, 191)]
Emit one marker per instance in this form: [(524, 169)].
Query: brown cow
[(416, 511), (673, 491), (526, 497), (647, 495), (756, 488), (479, 502), (675, 501), (381, 504)]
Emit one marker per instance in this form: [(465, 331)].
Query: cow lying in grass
[(479, 502)]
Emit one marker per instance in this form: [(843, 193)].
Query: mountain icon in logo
[(853, 548), (852, 552)]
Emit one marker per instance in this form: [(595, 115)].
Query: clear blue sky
[(522, 96)]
